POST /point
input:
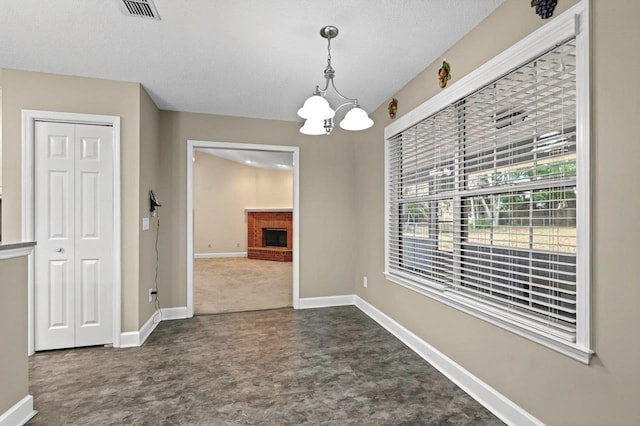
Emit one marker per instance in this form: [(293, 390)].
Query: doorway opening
[(229, 266)]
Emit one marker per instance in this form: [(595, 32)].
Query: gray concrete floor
[(318, 366)]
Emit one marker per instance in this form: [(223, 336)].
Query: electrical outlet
[(364, 282), (152, 293)]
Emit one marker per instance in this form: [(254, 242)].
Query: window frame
[(572, 23)]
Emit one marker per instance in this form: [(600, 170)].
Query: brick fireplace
[(270, 234)]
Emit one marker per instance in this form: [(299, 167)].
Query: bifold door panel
[(74, 230)]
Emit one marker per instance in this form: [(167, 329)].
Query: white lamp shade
[(356, 119), (313, 127), (317, 108)]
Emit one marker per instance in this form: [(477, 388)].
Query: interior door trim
[(29, 117), (192, 145)]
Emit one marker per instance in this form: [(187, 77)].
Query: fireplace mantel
[(268, 210)]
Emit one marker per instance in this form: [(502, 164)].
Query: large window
[(483, 200)]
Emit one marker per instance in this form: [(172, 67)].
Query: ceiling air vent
[(139, 8)]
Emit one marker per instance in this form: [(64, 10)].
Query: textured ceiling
[(250, 58)]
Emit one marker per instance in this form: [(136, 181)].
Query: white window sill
[(471, 307)]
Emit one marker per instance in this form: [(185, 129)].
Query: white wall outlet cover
[(145, 223), (364, 282)]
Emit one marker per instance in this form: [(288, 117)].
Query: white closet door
[(73, 229), (55, 235), (93, 235)]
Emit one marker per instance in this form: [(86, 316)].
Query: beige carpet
[(241, 284)]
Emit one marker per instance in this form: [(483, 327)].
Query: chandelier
[(316, 110)]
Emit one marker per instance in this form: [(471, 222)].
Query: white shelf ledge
[(268, 210)]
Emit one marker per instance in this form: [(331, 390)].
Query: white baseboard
[(218, 255), (132, 339), (149, 326), (326, 302), (21, 412), (169, 314), (503, 408)]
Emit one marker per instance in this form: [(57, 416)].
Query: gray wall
[(14, 372), (149, 179), (326, 201), (50, 92), (551, 386), (139, 173)]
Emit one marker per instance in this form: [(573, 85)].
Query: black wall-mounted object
[(153, 201)]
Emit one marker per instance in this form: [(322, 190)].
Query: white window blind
[(482, 197)]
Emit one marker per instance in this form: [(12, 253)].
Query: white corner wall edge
[(219, 255), (169, 314), (326, 302), (21, 412), (129, 339), (132, 339), (502, 407)]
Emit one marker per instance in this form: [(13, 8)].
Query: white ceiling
[(274, 160), (250, 58)]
